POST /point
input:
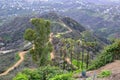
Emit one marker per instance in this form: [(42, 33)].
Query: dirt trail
[(21, 54), (69, 29)]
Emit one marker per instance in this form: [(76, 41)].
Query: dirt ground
[(114, 67)]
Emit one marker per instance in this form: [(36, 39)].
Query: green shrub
[(49, 72), (76, 63), (21, 76), (32, 74), (67, 76), (17, 57), (90, 78), (43, 73), (104, 73), (109, 54), (77, 71)]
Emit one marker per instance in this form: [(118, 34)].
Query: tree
[(29, 34), (39, 36), (71, 48)]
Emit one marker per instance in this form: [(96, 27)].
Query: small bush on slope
[(104, 73), (109, 54), (17, 57), (67, 76), (76, 63), (21, 76)]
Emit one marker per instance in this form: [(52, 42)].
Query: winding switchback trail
[(21, 55), (52, 54), (64, 25)]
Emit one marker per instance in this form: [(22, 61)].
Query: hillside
[(103, 19), (12, 35), (113, 67), (64, 62), (59, 39), (12, 32)]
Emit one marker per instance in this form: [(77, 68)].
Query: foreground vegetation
[(44, 73)]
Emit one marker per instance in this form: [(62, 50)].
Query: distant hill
[(12, 32)]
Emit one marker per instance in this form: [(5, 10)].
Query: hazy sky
[(37, 0), (95, 0)]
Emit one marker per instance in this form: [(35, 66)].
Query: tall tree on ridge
[(39, 36)]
